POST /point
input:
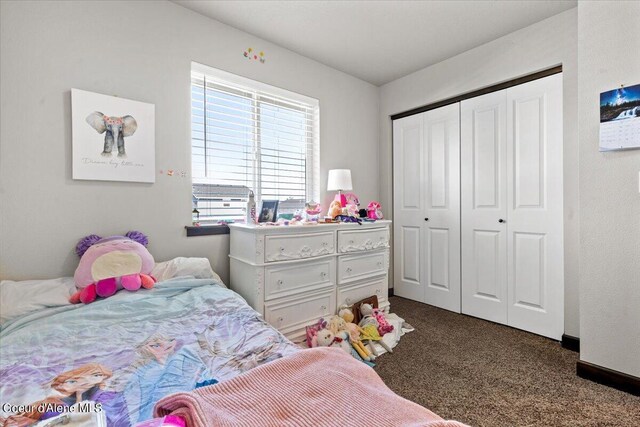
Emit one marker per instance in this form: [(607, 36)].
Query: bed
[(129, 351)]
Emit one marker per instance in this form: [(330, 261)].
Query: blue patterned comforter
[(128, 351)]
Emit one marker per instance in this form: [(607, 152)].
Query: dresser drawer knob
[(324, 307), (281, 249), (349, 270), (280, 282), (280, 320), (379, 263), (323, 274), (377, 291), (351, 241), (324, 243), (348, 300)]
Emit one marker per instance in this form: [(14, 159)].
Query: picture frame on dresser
[(295, 275), (268, 211)]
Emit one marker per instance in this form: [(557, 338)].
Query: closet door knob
[(501, 220), (426, 219)]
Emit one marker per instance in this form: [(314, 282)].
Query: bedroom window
[(246, 135)]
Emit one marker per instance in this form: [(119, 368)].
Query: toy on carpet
[(326, 338), (370, 334), (312, 332), (110, 264), (354, 333), (337, 333), (375, 316)]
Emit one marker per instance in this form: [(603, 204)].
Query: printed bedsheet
[(126, 352)]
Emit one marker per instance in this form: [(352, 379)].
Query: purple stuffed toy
[(112, 263)]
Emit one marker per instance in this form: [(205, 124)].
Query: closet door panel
[(535, 207), (408, 206), (484, 206), (442, 207)]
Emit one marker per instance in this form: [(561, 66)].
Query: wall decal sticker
[(250, 54)]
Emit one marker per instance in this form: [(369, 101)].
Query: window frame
[(259, 91)]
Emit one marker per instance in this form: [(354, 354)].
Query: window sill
[(206, 230)]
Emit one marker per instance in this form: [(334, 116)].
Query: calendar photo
[(620, 119)]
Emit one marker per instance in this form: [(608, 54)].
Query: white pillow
[(20, 298), (199, 268)]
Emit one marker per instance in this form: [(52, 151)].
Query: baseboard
[(570, 343), (390, 292), (609, 377)]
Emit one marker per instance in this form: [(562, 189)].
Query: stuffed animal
[(335, 209), (326, 338), (370, 334), (353, 332), (374, 211), (367, 316), (312, 332), (336, 324), (346, 314), (112, 263), (383, 325), (376, 317)]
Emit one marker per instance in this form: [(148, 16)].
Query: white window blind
[(248, 135)]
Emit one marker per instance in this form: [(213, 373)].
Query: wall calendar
[(620, 119)]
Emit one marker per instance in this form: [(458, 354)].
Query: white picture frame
[(113, 138)]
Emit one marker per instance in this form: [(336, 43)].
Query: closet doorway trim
[(478, 92)]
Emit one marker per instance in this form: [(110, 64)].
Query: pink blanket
[(316, 387)]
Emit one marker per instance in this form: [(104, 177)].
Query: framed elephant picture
[(113, 138)]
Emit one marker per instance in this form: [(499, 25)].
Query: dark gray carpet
[(485, 374)]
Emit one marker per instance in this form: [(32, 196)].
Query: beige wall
[(608, 49), (537, 47), (49, 47)]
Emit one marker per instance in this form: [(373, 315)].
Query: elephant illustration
[(116, 128)]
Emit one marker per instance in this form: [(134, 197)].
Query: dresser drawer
[(293, 313), (291, 279), (357, 267), (351, 294), (363, 240), (298, 246)]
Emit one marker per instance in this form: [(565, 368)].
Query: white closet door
[(408, 207), (484, 206), (534, 200), (442, 207)]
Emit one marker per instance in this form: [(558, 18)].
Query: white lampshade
[(339, 179)]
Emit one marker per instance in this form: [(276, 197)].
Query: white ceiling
[(379, 41)]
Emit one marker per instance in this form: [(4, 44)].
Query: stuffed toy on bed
[(110, 264)]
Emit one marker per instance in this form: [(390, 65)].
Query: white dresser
[(295, 275)]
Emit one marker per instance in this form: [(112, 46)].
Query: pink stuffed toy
[(383, 325), (374, 211), (112, 263)]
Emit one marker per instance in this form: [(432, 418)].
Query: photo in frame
[(268, 211), (113, 138)]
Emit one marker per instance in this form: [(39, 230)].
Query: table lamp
[(340, 180)]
